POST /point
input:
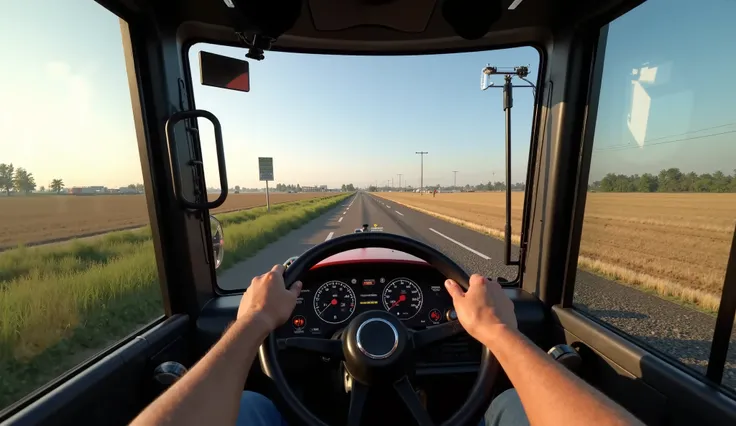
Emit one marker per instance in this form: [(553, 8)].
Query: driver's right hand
[(484, 308)]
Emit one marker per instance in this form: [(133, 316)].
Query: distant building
[(87, 190)]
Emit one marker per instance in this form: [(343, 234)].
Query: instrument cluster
[(332, 296)]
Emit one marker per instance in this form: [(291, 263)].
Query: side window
[(661, 206), (77, 268)]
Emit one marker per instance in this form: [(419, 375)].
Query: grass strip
[(63, 303)]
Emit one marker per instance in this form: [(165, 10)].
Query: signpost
[(265, 173)]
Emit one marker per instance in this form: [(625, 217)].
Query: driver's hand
[(268, 299), (483, 307)]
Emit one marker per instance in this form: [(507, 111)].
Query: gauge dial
[(334, 302), (403, 298)]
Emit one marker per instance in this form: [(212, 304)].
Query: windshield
[(386, 127)]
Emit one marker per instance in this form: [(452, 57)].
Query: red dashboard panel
[(370, 255)]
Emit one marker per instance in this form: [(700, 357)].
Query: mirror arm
[(508, 103)]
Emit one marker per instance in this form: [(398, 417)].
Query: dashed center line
[(344, 212), (341, 218), (329, 236), (461, 244), (399, 213)]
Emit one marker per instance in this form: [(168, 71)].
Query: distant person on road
[(546, 393), (434, 193)]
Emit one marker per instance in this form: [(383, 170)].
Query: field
[(674, 244), (49, 218), (62, 303)]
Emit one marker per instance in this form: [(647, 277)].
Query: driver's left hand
[(268, 300)]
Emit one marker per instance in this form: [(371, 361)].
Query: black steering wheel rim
[(480, 394)]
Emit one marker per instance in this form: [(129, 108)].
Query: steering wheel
[(376, 347)]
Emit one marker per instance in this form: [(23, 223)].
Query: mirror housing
[(218, 241)]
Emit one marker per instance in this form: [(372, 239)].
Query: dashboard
[(331, 296)]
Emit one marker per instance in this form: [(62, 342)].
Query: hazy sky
[(66, 112)]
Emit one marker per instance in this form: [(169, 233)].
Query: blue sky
[(335, 119)]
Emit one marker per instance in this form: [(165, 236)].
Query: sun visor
[(411, 16)]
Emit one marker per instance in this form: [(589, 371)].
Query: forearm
[(210, 392), (550, 394)]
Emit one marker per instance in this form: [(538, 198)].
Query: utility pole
[(421, 175), (455, 181), (400, 174), (392, 183)]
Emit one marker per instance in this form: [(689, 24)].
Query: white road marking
[(399, 213), (461, 244), (387, 206), (329, 236), (340, 220), (347, 208), (344, 212)]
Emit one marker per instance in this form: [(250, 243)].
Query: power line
[(625, 147), (646, 142)]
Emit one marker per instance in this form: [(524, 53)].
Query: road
[(680, 332)]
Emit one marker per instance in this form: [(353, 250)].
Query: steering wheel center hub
[(377, 347), (377, 338)]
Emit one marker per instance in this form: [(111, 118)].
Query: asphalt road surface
[(675, 330)]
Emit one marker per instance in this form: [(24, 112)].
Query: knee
[(256, 409), (506, 409)]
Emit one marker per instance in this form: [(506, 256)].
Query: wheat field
[(48, 218), (674, 244)]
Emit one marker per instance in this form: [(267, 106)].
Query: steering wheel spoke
[(436, 333), (331, 348), (358, 396), (406, 392)]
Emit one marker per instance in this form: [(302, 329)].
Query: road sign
[(265, 168)]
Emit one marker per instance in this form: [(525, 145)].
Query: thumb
[(296, 288), (454, 289)]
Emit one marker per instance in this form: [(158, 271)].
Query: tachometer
[(403, 298), (334, 302)]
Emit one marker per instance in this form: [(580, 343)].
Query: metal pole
[(508, 103), (454, 184), (268, 200), (421, 175), (400, 174)]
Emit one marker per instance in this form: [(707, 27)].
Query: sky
[(65, 104)]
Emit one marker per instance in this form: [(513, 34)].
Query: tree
[(139, 188), (56, 185), (350, 187), (6, 177), (298, 188), (42, 189), (343, 188), (647, 183), (24, 181)]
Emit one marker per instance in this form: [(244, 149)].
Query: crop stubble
[(48, 218), (676, 244)]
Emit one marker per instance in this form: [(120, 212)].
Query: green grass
[(61, 303)]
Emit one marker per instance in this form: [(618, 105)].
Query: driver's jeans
[(257, 410)]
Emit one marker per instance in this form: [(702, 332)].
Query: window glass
[(77, 268), (342, 123), (661, 206)]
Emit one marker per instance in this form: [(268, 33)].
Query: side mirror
[(218, 241), (224, 72)]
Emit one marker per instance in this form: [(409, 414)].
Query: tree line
[(285, 188), (21, 180), (668, 180), (347, 188)]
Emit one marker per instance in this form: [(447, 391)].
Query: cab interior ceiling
[(376, 26)]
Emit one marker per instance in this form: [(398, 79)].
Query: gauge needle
[(333, 302), (396, 303)]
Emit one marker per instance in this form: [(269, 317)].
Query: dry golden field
[(675, 244), (47, 218)]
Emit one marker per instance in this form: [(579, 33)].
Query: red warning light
[(298, 321), (435, 315)]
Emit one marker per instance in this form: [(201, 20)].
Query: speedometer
[(334, 302), (403, 298)]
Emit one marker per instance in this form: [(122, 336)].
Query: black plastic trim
[(724, 322)]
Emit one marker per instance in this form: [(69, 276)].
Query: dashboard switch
[(451, 315), (435, 316)]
